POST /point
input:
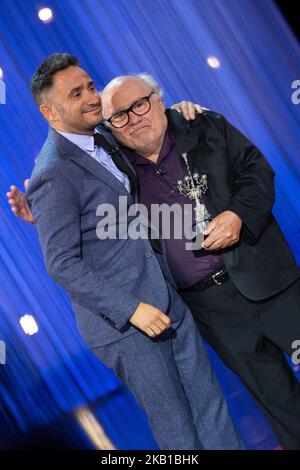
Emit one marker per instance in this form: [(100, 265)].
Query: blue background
[(49, 375)]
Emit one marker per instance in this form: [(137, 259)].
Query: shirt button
[(148, 254)]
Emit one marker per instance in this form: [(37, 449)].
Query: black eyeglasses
[(139, 107)]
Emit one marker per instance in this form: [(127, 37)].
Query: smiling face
[(144, 134), (72, 104)]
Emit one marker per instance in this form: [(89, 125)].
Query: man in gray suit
[(124, 297)]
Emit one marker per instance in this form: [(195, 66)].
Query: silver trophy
[(194, 187)]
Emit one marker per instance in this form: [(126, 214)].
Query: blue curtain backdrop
[(51, 373)]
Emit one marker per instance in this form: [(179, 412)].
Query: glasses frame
[(128, 110)]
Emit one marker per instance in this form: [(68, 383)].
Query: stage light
[(45, 15), (89, 422), (213, 62), (29, 325), (1, 73)]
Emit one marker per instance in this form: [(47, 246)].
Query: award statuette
[(194, 187)]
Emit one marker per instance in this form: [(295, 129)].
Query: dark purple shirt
[(161, 187)]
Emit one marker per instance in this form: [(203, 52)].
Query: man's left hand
[(188, 109), (223, 232), (19, 204)]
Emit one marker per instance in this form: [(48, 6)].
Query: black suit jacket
[(240, 180)]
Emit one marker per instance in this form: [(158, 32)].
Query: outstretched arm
[(18, 201), (147, 318)]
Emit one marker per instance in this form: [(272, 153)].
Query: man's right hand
[(150, 320), (19, 204)]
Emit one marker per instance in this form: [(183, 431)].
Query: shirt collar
[(84, 142)]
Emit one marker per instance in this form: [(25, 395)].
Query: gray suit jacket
[(106, 279)]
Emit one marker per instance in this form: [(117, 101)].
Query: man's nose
[(92, 98), (134, 118)]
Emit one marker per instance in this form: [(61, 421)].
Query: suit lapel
[(186, 135), (191, 139), (71, 151), (81, 158), (124, 163)]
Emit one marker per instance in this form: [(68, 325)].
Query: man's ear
[(49, 112), (162, 103)]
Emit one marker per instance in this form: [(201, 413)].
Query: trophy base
[(199, 251), (199, 238)]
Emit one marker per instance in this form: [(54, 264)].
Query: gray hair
[(148, 79)]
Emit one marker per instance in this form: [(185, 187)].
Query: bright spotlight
[(29, 325), (213, 62), (45, 15), (1, 73)]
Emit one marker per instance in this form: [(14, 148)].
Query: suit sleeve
[(254, 183), (55, 205)]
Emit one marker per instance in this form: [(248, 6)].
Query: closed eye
[(139, 104)]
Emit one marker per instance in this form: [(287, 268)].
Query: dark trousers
[(251, 338)]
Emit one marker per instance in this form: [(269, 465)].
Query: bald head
[(143, 133), (145, 78)]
